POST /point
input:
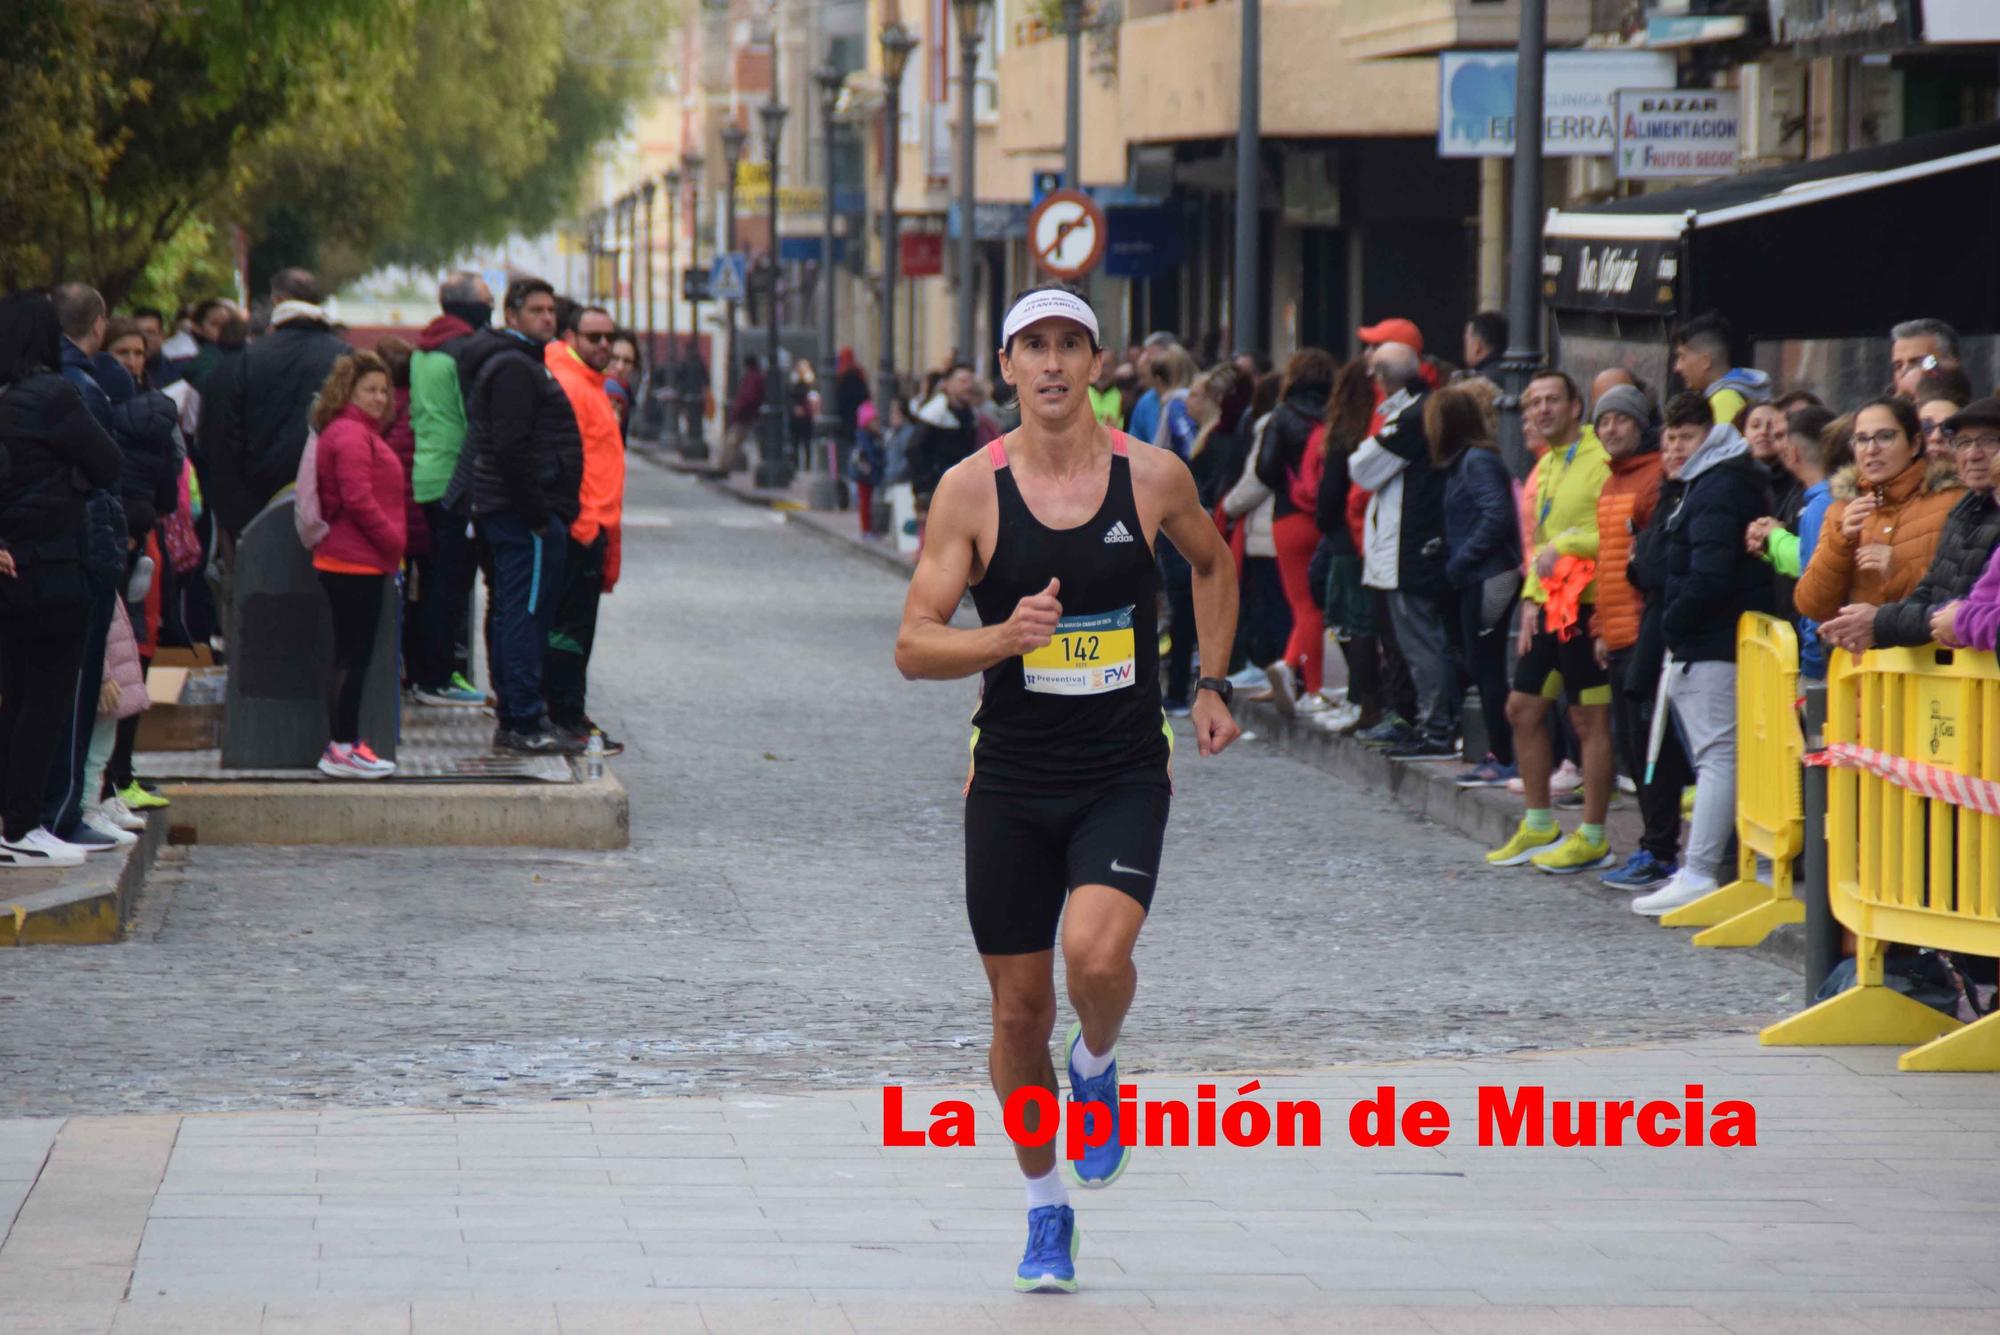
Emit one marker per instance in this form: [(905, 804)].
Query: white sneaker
[(123, 837), (39, 848), (1337, 718), (113, 809), (1314, 704), (1684, 889), (1251, 678), (1567, 778), (340, 762), (1284, 690), (1626, 786)]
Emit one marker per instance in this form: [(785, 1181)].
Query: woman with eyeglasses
[(1883, 529)]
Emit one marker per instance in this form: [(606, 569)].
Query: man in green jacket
[(442, 589)]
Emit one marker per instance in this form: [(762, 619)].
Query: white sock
[(1088, 1063), (1048, 1189)]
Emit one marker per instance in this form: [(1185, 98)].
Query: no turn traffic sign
[(1067, 232)]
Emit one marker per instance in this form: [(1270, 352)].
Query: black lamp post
[(621, 287), (668, 364), (971, 29), (733, 137), (694, 448), (774, 463), (897, 44), (830, 79), (652, 330)]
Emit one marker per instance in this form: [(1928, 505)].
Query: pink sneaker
[(339, 762)]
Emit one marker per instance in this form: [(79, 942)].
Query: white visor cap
[(1049, 304)]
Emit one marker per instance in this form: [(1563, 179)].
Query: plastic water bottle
[(593, 755)]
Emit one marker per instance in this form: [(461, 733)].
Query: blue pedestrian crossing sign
[(726, 278)]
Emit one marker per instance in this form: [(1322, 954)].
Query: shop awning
[(1838, 247)]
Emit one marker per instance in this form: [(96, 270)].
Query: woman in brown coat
[(1879, 537)]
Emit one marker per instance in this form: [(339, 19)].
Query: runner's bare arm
[(929, 647), (1194, 535)]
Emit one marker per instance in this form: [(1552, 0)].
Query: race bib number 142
[(1089, 655)]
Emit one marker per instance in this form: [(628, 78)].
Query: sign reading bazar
[(1676, 134), (1476, 100), (1627, 277)]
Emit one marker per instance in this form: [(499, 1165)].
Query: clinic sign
[(1579, 96), (1676, 135)]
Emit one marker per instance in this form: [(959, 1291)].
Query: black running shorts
[(1554, 667), (1025, 853)]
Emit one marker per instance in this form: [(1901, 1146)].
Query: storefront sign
[(1145, 243), (1828, 27), (920, 254), (1681, 134), (1476, 100), (1961, 21), (1630, 277)]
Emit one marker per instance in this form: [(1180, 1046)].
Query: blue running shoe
[(1049, 1264), (1100, 1164), (1642, 871)]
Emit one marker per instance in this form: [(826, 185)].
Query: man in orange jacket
[(577, 358)]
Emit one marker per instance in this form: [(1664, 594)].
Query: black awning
[(1836, 248)]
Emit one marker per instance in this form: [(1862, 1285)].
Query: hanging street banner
[(1677, 135), (1476, 100)]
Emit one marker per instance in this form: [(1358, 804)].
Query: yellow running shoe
[(1523, 846), (1573, 855), (139, 799)]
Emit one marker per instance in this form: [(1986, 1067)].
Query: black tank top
[(1086, 708)]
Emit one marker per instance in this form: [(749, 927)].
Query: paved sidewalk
[(1871, 1195)]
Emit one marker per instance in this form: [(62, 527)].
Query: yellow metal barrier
[(1910, 857), (1770, 808)]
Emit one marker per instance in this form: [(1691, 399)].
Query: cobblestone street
[(789, 913)]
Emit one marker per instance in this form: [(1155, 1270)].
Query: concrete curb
[(85, 906), (593, 814)]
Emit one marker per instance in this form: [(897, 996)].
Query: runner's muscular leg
[(1099, 929), (1024, 1018)]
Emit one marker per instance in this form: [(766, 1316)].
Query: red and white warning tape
[(1933, 781)]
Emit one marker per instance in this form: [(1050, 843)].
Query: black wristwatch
[(1220, 685)]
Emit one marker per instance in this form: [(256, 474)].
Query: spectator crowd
[(137, 454), (1579, 625)]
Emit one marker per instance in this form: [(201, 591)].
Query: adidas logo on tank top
[(1118, 533)]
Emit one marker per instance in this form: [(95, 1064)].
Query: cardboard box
[(171, 724)]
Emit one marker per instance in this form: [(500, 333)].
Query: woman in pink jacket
[(361, 486)]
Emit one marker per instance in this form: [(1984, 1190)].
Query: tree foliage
[(338, 133)]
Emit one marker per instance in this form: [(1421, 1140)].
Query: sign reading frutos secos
[(1579, 100), (1677, 134)]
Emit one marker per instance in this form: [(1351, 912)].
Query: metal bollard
[(1822, 930)]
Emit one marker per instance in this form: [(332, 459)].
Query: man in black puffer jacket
[(517, 477), (1971, 532), (1711, 580), (263, 397), (56, 454)]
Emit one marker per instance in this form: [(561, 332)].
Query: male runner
[(1052, 527)]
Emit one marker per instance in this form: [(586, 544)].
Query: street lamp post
[(596, 243), (830, 79), (774, 464), (733, 137), (1072, 18), (971, 28), (695, 449), (897, 44), (1243, 319), (621, 284), (668, 365), (649, 410), (1524, 315)]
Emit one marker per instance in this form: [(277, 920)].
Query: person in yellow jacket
[(577, 359), (1555, 653)]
